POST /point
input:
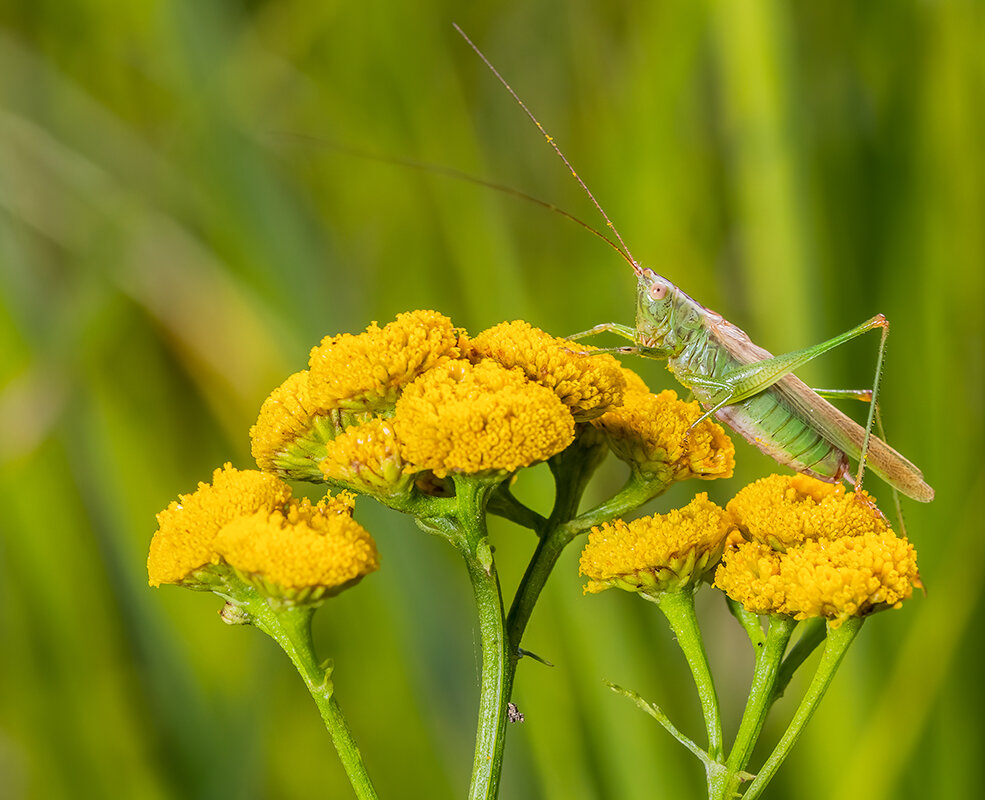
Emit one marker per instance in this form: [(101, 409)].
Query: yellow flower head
[(834, 579), (651, 433), (657, 554), (785, 510), (301, 553), (460, 417), (367, 459), (184, 541), (587, 384), (366, 372), (289, 435)]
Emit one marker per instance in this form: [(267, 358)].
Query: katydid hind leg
[(754, 378), (751, 379), (874, 405), (865, 395)]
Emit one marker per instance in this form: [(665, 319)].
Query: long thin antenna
[(450, 172), (622, 249)]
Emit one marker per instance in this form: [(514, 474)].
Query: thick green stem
[(678, 608), (835, 647), (761, 696), (494, 696), (290, 627), (467, 531)]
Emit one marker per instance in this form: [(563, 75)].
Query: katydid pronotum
[(744, 386)]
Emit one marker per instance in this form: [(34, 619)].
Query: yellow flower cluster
[(417, 400), (814, 550), (659, 553), (248, 520), (188, 526), (302, 552), (351, 379), (479, 418), (653, 434)]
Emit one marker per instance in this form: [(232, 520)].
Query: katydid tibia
[(743, 385)]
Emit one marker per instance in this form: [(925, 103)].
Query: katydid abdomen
[(769, 422)]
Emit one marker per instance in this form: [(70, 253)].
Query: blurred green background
[(176, 231)]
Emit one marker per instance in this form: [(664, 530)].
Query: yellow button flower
[(814, 550), (651, 433), (657, 554), (460, 417), (784, 510), (586, 384), (289, 436), (366, 458), (366, 372), (302, 553), (830, 578), (184, 541)]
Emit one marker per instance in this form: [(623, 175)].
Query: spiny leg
[(607, 327), (751, 379), (748, 380), (884, 324), (865, 395)]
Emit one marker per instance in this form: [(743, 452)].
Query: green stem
[(467, 531), (835, 647), (812, 633), (290, 627), (678, 608), (560, 530), (761, 696), (750, 622), (539, 569)]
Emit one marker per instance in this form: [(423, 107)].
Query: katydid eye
[(658, 291)]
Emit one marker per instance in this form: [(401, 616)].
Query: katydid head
[(656, 300)]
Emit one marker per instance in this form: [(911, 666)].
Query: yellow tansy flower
[(367, 458), (814, 550), (479, 418), (648, 432), (659, 553), (366, 372), (184, 541), (285, 416), (784, 510), (634, 383), (302, 553), (830, 578), (289, 436), (587, 384)]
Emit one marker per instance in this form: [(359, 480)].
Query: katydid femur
[(742, 385)]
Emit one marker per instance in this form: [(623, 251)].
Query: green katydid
[(743, 385)]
